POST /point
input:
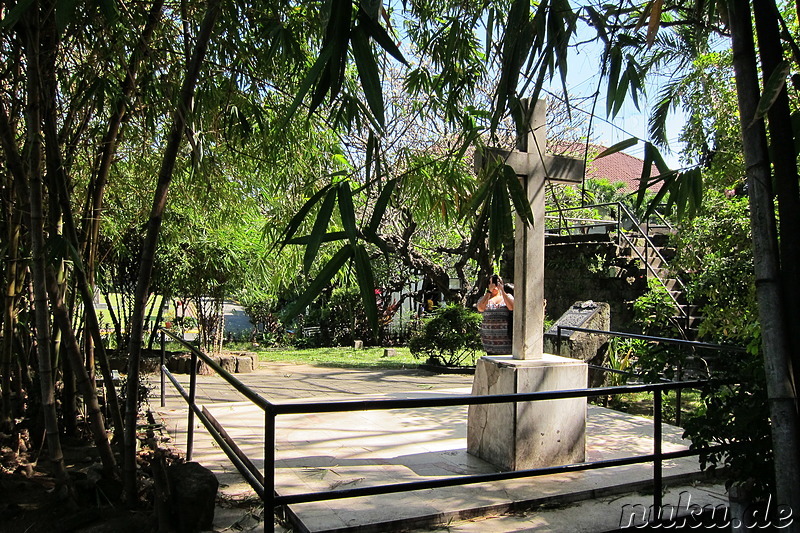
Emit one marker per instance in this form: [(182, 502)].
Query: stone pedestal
[(518, 436)]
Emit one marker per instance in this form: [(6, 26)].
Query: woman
[(496, 306)]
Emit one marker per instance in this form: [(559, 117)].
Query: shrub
[(450, 337)]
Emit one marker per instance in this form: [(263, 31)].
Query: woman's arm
[(483, 301), (507, 298)]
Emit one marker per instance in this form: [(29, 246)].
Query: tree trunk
[(87, 388), (775, 344), (35, 60), (179, 119), (784, 161), (159, 317), (15, 273), (58, 184), (93, 213), (10, 313)]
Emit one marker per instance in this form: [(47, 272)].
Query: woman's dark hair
[(509, 288), (494, 278)]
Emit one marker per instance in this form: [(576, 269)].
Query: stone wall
[(592, 270)]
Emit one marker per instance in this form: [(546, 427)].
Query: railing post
[(269, 469), (192, 396), (558, 340), (657, 464), (678, 396), (163, 377)]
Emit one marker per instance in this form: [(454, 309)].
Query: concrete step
[(692, 321)]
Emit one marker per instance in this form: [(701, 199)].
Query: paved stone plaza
[(353, 449)]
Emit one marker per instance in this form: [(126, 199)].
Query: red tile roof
[(617, 167)]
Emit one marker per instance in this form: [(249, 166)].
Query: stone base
[(528, 434)]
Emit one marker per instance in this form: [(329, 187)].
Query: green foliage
[(654, 309), (451, 337), (716, 250), (737, 416), (264, 314), (654, 312), (341, 318)]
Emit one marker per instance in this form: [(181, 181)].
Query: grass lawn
[(641, 403), (344, 357)]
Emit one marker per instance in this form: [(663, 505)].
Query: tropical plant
[(451, 337)]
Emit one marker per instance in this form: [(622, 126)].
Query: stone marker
[(358, 345), (529, 435), (389, 352), (193, 493), (580, 345)]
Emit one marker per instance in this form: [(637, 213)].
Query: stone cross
[(534, 169)]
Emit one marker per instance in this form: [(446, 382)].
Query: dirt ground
[(30, 502)]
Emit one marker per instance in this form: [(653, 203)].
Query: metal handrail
[(666, 340), (650, 245), (264, 485)]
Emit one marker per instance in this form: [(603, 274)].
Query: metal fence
[(264, 482)]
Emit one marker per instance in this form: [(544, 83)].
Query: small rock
[(228, 363), (244, 364)]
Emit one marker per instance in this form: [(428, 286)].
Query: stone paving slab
[(353, 449)]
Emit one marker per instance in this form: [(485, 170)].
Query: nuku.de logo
[(688, 514)]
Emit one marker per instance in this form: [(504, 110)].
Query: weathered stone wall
[(579, 271)]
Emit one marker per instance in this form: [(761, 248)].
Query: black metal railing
[(679, 370), (264, 483)]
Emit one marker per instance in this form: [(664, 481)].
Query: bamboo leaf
[(319, 230), (65, 12), (381, 36), (15, 13), (371, 152), (366, 284), (337, 33), (621, 92), (489, 31), (297, 219), (499, 218), (618, 147), (489, 174), (368, 74), (661, 165), (517, 193), (308, 81), (615, 58), (347, 210), (646, 169), (323, 278), (643, 16), (512, 57), (772, 89), (669, 182), (328, 237), (696, 194), (598, 23), (380, 205)]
